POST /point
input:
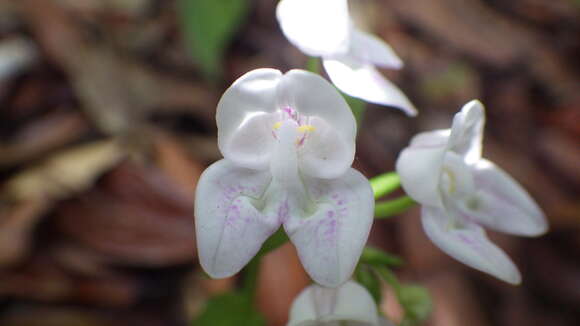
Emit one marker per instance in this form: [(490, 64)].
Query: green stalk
[(385, 183), (393, 207)]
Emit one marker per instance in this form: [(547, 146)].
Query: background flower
[(350, 56), (460, 192)]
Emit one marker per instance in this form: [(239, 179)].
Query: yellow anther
[(306, 128), (277, 125)]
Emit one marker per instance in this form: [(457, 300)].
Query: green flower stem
[(313, 65), (393, 207), (389, 277), (385, 183)]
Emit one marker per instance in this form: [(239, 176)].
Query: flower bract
[(288, 141), (324, 28), (461, 193)]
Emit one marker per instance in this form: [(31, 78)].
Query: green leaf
[(393, 207), (367, 278), (416, 303), (385, 183), (230, 309), (208, 27), (376, 257)]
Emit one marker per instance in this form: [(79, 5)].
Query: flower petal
[(467, 132), (331, 239), (468, 244), (503, 205), (229, 228), (369, 48), (420, 166), (365, 82), (314, 97), (350, 302), (325, 154), (244, 118), (300, 22)]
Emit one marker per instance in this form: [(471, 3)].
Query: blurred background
[(107, 119)]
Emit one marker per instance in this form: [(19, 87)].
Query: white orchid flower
[(324, 28), (288, 142), (461, 192), (349, 305)]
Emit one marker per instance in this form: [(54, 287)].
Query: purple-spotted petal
[(362, 80), (468, 243), (229, 228), (350, 303), (467, 132), (502, 204), (331, 237)]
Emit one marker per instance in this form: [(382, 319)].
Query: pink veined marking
[(283, 211), (290, 113)]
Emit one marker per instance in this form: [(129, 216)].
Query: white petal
[(502, 204), (302, 23), (456, 182), (229, 228), (369, 48), (244, 118), (331, 239), (467, 131), (420, 166), (468, 244), (324, 154), (313, 96), (435, 138), (351, 303), (365, 82)]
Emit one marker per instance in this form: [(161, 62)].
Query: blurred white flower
[(349, 305), (288, 142), (323, 28), (461, 192)]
